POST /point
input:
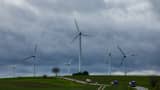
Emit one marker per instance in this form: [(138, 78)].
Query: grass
[(59, 84), (123, 81), (41, 84)]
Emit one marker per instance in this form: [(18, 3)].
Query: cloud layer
[(134, 25)]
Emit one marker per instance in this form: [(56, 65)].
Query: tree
[(45, 76), (56, 70), (86, 73)]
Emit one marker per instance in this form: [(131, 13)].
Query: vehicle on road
[(132, 83), (115, 82)]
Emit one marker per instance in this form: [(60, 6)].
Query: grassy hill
[(41, 84), (59, 84)]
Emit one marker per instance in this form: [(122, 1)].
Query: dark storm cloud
[(49, 23)]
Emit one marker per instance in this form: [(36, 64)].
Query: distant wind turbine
[(33, 57), (79, 35), (13, 67), (68, 64), (123, 62), (110, 63)]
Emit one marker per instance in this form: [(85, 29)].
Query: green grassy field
[(59, 84), (123, 81), (41, 84)]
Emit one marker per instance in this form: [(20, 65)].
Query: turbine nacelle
[(80, 33), (33, 56)]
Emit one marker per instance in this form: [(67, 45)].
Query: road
[(102, 87), (141, 88)]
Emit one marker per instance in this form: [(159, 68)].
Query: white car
[(88, 80)]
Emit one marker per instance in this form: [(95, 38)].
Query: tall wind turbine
[(68, 64), (79, 36), (33, 57), (110, 63), (123, 62)]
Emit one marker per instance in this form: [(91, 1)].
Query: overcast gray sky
[(134, 25)]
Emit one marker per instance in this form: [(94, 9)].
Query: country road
[(100, 86), (141, 88)]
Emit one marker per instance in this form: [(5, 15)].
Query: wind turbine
[(124, 57), (110, 63), (33, 57), (79, 36), (10, 67), (68, 64), (13, 67)]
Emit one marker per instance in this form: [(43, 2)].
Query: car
[(88, 80), (132, 83), (115, 82)]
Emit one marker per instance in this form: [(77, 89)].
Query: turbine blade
[(27, 58), (70, 61), (76, 23), (110, 54), (133, 55), (122, 52), (85, 35), (122, 61), (67, 64), (75, 37), (35, 50)]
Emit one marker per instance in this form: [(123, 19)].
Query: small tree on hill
[(56, 71)]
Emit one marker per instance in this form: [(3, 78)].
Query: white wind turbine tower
[(68, 65), (79, 35), (123, 62), (13, 67), (110, 63), (33, 57)]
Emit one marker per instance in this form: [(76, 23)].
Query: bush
[(45, 76), (85, 73)]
